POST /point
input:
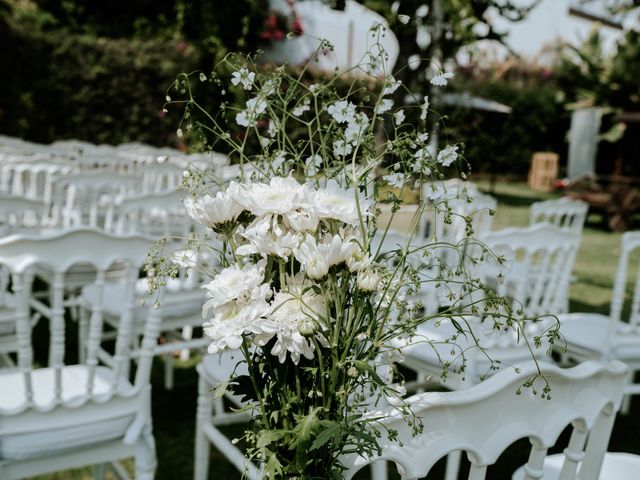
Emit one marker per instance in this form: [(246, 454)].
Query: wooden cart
[(616, 197)]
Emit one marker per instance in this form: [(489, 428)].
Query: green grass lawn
[(174, 411)]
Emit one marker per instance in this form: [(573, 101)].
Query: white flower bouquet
[(300, 280)]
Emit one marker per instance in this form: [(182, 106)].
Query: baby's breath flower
[(244, 77), (399, 117), (441, 79), (424, 108), (404, 19), (384, 106), (447, 155), (342, 111), (301, 108)]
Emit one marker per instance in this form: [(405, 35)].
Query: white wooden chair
[(157, 216), (19, 214), (613, 336), (34, 180), (62, 416), (89, 199), (565, 213), (544, 259), (211, 413), (485, 420)]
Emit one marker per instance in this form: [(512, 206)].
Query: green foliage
[(102, 90), (503, 144)]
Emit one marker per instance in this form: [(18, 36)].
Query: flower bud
[(368, 280), (307, 327)]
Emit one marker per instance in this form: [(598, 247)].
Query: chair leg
[(453, 465), (187, 334), (202, 445), (145, 456), (168, 371), (99, 471), (83, 332)]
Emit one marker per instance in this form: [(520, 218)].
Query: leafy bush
[(96, 89), (500, 143)]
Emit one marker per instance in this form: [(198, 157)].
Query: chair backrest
[(158, 178), (629, 245), (21, 254), (541, 271), (19, 214), (161, 214), (484, 420), (89, 199), (446, 223), (566, 213), (34, 180)]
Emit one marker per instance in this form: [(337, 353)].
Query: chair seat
[(37, 443), (616, 466), (176, 302), (589, 331)]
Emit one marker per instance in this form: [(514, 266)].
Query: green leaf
[(220, 390), (266, 437), (305, 426), (332, 431), (273, 467)]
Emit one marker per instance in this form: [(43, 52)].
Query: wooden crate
[(543, 172)]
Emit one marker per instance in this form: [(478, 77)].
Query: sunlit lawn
[(174, 411)]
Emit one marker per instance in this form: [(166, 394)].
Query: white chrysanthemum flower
[(342, 111), (214, 211), (424, 108), (266, 237), (384, 106), (294, 317), (342, 148), (281, 195), (339, 204), (303, 107), (399, 117), (441, 79), (367, 280), (317, 257), (234, 283), (355, 258), (255, 106), (244, 77), (447, 155), (302, 220), (391, 86), (313, 258), (237, 318)]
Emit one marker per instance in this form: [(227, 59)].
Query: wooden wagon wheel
[(624, 203)]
